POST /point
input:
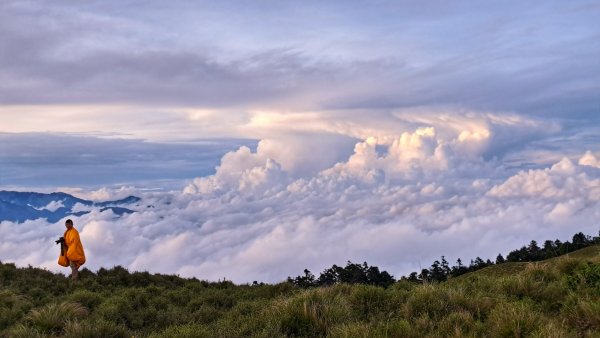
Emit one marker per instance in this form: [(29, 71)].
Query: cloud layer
[(85, 61), (397, 203)]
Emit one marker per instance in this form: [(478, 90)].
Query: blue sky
[(290, 118)]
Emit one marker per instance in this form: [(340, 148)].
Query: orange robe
[(75, 252)]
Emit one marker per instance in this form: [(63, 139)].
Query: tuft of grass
[(583, 314), (369, 302), (94, 329), (312, 312), (535, 285), (435, 301), (191, 330), (352, 330), (24, 331), (517, 319), (552, 329), (9, 298), (459, 324), (53, 317)]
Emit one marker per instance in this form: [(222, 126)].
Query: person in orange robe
[(74, 249)]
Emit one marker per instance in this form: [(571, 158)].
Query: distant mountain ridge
[(18, 206)]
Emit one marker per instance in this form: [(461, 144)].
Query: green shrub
[(585, 275), (248, 307), (220, 300), (115, 309), (138, 310), (12, 308), (205, 314), (89, 299), (179, 297)]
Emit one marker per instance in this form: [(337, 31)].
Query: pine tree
[(445, 267)]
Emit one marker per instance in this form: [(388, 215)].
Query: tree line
[(440, 270)]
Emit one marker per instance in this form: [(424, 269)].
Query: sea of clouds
[(398, 201)]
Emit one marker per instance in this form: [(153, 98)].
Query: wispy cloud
[(515, 57)]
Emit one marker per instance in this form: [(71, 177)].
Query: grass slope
[(590, 254), (559, 297)]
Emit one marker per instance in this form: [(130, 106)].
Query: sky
[(275, 136)]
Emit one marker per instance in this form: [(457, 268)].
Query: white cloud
[(589, 159), (102, 194), (398, 203), (563, 180), (244, 171), (54, 205)]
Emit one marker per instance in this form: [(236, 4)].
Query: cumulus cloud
[(396, 202), (589, 159), (243, 171)]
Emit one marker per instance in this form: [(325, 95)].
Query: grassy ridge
[(589, 254), (559, 297)]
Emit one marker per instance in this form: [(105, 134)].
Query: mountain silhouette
[(18, 206)]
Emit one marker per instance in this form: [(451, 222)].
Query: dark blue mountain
[(16, 206), (124, 201), (118, 210)]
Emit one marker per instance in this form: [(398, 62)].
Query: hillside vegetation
[(558, 297)]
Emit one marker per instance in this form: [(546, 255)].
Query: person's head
[(69, 224)]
